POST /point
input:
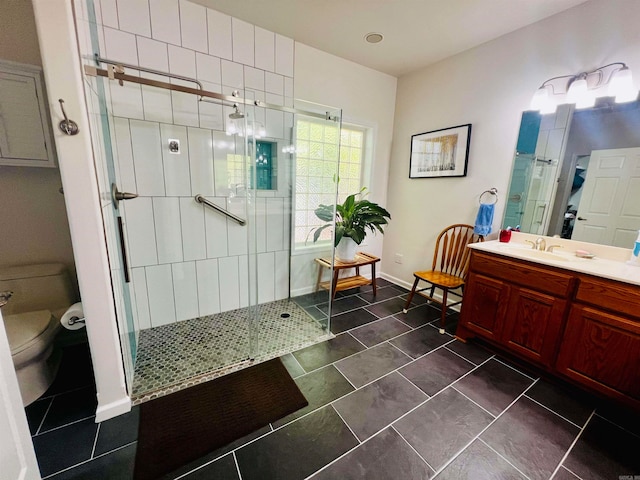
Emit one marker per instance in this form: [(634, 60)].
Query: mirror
[(576, 174)]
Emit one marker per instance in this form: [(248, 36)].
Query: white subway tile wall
[(187, 261)]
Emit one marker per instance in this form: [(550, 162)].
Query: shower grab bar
[(200, 199)]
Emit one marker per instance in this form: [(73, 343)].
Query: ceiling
[(416, 33)]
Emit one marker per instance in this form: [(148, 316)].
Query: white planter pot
[(346, 250)]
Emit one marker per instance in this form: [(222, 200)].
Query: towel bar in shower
[(200, 199)]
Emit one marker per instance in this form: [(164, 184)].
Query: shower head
[(236, 114)]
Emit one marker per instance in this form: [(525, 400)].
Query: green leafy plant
[(352, 218)]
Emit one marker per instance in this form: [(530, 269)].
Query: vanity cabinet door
[(602, 351), (532, 324), (485, 302)]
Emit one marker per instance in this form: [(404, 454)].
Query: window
[(317, 153)]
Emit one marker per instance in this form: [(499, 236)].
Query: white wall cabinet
[(25, 138)]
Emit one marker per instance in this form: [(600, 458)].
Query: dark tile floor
[(389, 398)]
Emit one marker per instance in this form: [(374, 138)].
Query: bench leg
[(319, 278), (373, 279), (334, 285)]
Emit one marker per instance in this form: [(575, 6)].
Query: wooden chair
[(449, 267)]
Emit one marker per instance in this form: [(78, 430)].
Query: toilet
[(41, 294)]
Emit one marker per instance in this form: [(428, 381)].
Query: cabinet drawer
[(527, 274), (607, 294)]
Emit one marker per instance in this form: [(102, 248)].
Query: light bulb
[(540, 98), (621, 86), (579, 94)]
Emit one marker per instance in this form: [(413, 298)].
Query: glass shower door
[(288, 180)]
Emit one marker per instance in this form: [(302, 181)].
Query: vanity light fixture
[(584, 87)]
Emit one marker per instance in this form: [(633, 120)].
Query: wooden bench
[(339, 284)]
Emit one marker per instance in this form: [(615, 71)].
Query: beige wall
[(489, 87), (34, 224)]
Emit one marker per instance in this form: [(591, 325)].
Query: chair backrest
[(452, 255)]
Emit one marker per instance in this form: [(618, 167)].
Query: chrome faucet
[(541, 244)]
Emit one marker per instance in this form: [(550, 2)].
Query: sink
[(527, 252)]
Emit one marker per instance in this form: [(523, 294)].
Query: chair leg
[(444, 310), (433, 290), (410, 297)]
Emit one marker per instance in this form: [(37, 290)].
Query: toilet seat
[(24, 330)]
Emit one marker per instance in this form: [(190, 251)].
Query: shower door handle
[(117, 195)]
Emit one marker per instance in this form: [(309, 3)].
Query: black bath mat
[(186, 425)]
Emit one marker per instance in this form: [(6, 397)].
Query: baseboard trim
[(112, 409)]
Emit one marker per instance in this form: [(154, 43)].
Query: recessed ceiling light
[(374, 37)]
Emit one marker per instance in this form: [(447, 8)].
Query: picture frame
[(440, 153)]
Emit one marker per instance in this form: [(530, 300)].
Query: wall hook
[(67, 126)]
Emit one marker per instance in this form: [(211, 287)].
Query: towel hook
[(492, 191), (67, 126)]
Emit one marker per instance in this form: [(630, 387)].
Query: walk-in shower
[(210, 265)]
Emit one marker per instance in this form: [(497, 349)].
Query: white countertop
[(609, 262)]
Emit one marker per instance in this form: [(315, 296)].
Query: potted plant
[(352, 219)]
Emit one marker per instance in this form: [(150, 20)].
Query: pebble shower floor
[(176, 356)]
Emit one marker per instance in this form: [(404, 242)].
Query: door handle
[(123, 250), (117, 196), (582, 219)]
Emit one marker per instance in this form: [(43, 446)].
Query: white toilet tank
[(44, 286)]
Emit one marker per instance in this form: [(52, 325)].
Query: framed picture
[(440, 153)]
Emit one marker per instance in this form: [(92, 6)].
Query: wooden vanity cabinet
[(583, 328), (518, 305)]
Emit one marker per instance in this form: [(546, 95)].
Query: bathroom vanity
[(576, 318)]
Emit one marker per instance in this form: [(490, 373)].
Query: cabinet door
[(485, 301), (532, 324), (24, 128), (602, 351)]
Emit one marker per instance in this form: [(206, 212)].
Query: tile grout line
[(504, 458), (354, 337), (403, 323), (63, 426), (392, 427), (571, 472), (471, 400), (419, 389), (465, 358), (95, 441), (411, 359), (485, 428), (235, 460), (43, 417), (617, 425), (514, 368), (350, 429), (88, 460), (575, 440), (294, 357), (553, 411), (345, 377)]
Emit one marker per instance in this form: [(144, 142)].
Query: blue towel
[(484, 219)]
